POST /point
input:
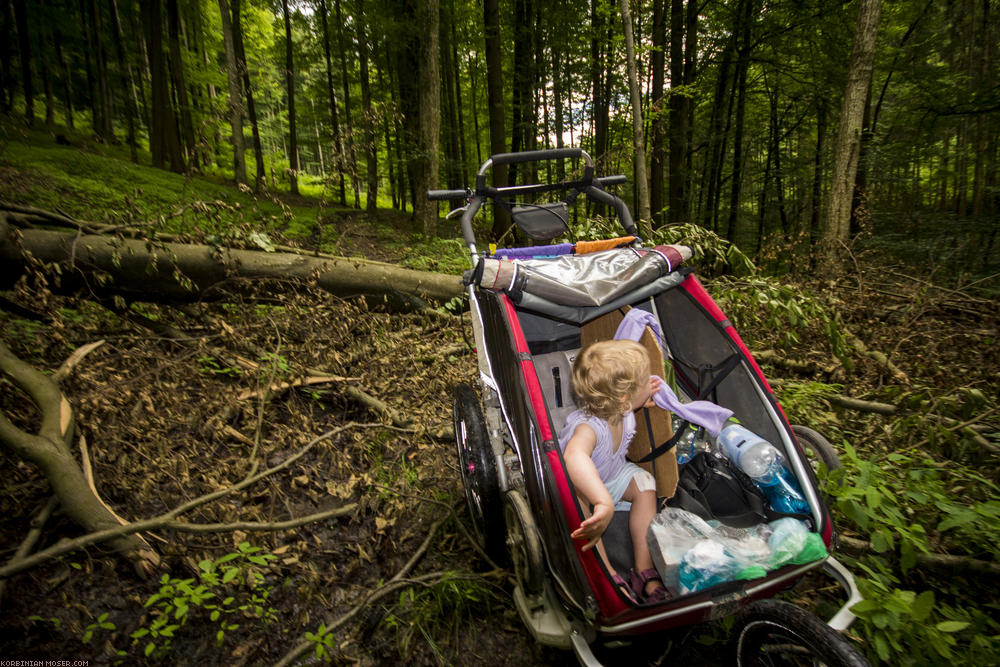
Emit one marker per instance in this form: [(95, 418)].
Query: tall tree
[(235, 95), (293, 141), (164, 143), (657, 129), (425, 172), (351, 155), (126, 82), (244, 71), (638, 140), (338, 136), (177, 77), (494, 94), (24, 50), (859, 73), (371, 150)]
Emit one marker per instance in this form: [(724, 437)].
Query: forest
[(231, 319)]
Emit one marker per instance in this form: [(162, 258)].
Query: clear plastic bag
[(692, 554)]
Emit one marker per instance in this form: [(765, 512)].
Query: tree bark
[(657, 121), (494, 94), (241, 64), (338, 137), (188, 142), (638, 140), (186, 272), (164, 142), (368, 120), (836, 228), (126, 83), (351, 155), (235, 95), (426, 171), (49, 449), (24, 47), (293, 141)]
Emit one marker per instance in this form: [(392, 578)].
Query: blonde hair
[(607, 373)]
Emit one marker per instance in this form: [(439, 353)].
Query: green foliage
[(437, 610), (711, 253), (905, 504), (228, 589), (765, 304), (323, 641), (803, 401)]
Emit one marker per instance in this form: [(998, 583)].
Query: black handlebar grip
[(618, 179), (435, 195), (534, 156)]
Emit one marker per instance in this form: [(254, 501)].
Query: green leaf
[(150, 647), (230, 574), (922, 606), (951, 626)]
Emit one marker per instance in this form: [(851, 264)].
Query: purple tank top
[(607, 461)]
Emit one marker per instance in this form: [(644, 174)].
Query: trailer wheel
[(817, 447), (524, 544), (478, 468), (771, 632)]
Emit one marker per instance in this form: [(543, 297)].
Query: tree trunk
[(352, 158), (126, 83), (838, 217), (426, 171), (241, 64), (338, 138), (177, 77), (677, 207), (638, 141), (49, 449), (371, 150), (235, 95), (494, 93), (104, 128), (64, 73), (658, 120), (6, 40), (24, 49), (293, 141), (145, 272), (163, 139), (742, 67)]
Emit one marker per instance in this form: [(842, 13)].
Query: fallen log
[(181, 272)]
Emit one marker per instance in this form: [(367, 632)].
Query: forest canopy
[(371, 102)]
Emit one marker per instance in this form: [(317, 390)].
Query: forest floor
[(198, 407)]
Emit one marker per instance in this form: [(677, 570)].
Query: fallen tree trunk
[(181, 272)]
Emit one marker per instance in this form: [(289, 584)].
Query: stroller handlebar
[(590, 186)]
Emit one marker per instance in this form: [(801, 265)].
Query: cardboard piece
[(653, 426)]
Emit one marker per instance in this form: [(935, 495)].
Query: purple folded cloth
[(703, 413), (535, 251)]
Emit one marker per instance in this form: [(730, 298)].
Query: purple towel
[(703, 413), (535, 251)]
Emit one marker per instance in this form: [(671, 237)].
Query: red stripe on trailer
[(607, 597), (528, 371)]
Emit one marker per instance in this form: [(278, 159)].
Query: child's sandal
[(624, 588), (639, 581)]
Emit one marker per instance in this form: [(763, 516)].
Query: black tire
[(478, 469), (772, 632), (524, 544), (817, 447)]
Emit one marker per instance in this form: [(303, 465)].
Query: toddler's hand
[(594, 526), (654, 386)]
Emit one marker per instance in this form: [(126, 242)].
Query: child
[(611, 379)]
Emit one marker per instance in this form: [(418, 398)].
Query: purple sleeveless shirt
[(608, 462)]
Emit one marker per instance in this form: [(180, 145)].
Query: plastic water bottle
[(685, 446), (764, 464)]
